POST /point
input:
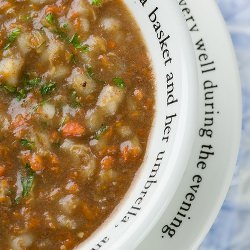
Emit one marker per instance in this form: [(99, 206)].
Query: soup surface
[(76, 108)]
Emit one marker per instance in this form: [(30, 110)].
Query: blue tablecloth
[(231, 230)]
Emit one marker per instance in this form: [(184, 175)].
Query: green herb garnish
[(9, 88), (17, 200), (91, 74), (19, 93), (74, 40), (90, 71), (26, 143), (119, 82), (73, 59), (96, 2), (50, 18), (47, 88), (65, 26), (32, 82), (101, 131), (27, 181), (75, 100), (12, 38), (62, 122), (61, 34)]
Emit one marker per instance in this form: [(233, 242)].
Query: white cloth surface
[(231, 231)]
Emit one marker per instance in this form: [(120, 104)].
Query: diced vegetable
[(23, 43), (110, 24), (27, 181), (22, 242), (10, 69), (73, 129), (94, 119), (96, 2), (130, 149), (82, 155), (66, 222), (36, 163), (119, 82), (124, 131), (50, 18), (101, 131), (82, 84), (27, 143), (47, 88), (110, 98), (12, 38), (107, 162), (106, 177), (77, 44), (69, 203)]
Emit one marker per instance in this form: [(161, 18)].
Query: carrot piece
[(19, 121), (36, 162), (107, 162), (74, 15), (53, 9), (54, 137), (87, 212), (72, 128), (2, 170), (129, 154), (111, 44)]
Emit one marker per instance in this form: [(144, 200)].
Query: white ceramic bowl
[(173, 130)]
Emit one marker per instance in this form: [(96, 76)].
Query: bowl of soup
[(98, 115)]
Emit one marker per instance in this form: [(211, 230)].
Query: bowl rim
[(184, 139)]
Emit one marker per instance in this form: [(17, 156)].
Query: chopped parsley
[(12, 38), (74, 40), (61, 34), (101, 131), (19, 93), (73, 59), (26, 143), (119, 82), (50, 18), (9, 88), (90, 71), (91, 74), (75, 100), (30, 83), (27, 181), (35, 108), (96, 2), (47, 88), (17, 200)]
